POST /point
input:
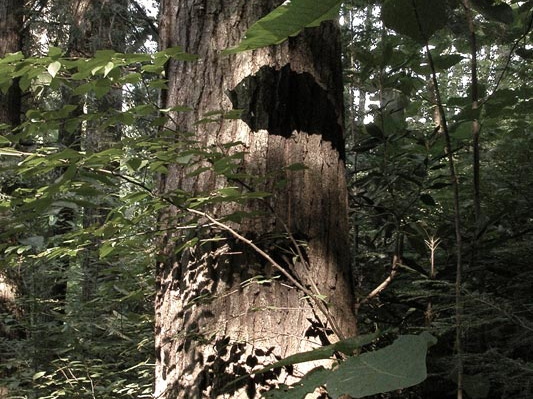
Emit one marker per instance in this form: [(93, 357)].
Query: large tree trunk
[(11, 12), (214, 321), (10, 42)]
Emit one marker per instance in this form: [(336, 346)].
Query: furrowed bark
[(221, 309)]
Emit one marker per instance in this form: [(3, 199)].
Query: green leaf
[(38, 375), (285, 21), (102, 87), (106, 249), (306, 385), (12, 57), (184, 159), (229, 192), (446, 61), (494, 10), (54, 52), (157, 69), (427, 199), (398, 366), (54, 68), (346, 346), (418, 19), (108, 68)]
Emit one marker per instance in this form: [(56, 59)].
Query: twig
[(457, 215), (319, 303), (384, 284)]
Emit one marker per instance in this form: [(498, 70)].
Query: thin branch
[(476, 128), (319, 303), (384, 284), (293, 241), (457, 216)]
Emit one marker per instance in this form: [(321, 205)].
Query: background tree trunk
[(10, 42), (97, 25), (11, 19), (214, 321)]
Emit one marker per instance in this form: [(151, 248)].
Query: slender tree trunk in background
[(459, 302), (296, 117), (97, 25), (476, 131)]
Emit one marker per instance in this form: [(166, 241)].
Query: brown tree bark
[(10, 42), (11, 12), (11, 19), (214, 320)]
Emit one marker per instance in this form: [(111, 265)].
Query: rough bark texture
[(10, 42), (214, 321), (10, 110)]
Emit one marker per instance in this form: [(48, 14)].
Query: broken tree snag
[(282, 101)]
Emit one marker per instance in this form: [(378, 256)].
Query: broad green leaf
[(400, 365), (136, 196), (108, 68), (106, 249), (38, 375), (133, 77), (54, 68), (427, 199), (446, 61), (346, 346), (104, 55), (418, 19), (191, 243), (84, 88), (158, 84), (102, 87), (156, 69), (494, 10), (229, 192), (68, 175), (461, 131), (143, 110), (54, 52), (184, 159), (287, 20), (397, 366), (12, 57), (299, 390), (134, 163)]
